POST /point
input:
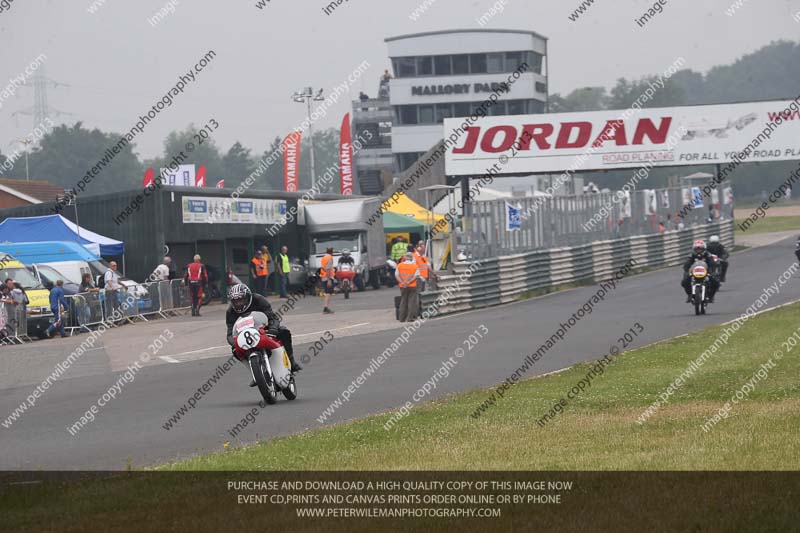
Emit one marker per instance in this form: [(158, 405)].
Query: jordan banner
[(630, 138), (291, 161), (200, 177), (346, 157)]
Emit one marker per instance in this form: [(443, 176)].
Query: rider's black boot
[(295, 366)]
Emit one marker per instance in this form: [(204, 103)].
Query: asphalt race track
[(130, 427)]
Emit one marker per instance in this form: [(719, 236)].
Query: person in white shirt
[(161, 273), (111, 284)]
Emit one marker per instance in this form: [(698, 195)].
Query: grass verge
[(597, 431), (769, 224)]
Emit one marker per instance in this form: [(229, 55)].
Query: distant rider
[(244, 302), (699, 253), (346, 259), (717, 248)]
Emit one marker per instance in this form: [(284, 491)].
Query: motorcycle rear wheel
[(265, 384)]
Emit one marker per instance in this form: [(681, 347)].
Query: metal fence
[(507, 278), (13, 323), (89, 309), (559, 221), (163, 298)]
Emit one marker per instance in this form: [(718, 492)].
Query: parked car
[(48, 275)]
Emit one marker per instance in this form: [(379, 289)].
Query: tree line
[(66, 153)]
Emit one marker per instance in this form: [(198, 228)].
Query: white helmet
[(714, 238), (240, 297)]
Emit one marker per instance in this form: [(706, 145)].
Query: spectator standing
[(407, 274), (17, 292), (258, 272), (111, 286), (282, 270), (5, 295), (383, 88), (326, 279), (86, 287), (398, 250), (58, 305), (423, 263), (6, 310), (197, 279), (162, 271)]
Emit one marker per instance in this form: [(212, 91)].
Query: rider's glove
[(272, 332)]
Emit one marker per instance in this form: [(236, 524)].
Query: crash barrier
[(505, 279), (545, 223), (13, 323), (163, 298)]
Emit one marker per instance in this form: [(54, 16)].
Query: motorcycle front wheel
[(290, 392), (264, 381)]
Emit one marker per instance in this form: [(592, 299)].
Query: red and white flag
[(149, 178), (221, 184), (200, 177), (291, 161), (346, 156)]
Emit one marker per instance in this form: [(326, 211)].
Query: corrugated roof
[(43, 191)]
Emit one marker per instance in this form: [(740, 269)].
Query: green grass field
[(597, 431), (769, 224)]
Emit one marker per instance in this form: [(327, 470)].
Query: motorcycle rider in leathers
[(244, 302), (699, 253), (717, 248)]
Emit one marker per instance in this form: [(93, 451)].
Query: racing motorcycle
[(345, 275), (715, 268), (266, 355), (700, 286)]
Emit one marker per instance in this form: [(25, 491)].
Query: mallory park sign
[(459, 88)]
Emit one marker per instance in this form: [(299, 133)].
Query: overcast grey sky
[(116, 65)]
